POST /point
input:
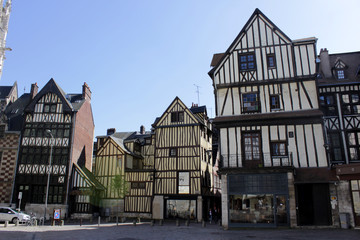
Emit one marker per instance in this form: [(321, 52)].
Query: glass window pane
[(355, 185)]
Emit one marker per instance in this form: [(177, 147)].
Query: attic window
[(340, 74), (177, 116), (247, 61)]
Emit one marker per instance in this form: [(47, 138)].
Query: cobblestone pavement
[(167, 231)]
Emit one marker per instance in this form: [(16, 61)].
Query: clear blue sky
[(138, 55)]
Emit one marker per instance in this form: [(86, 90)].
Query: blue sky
[(138, 55)]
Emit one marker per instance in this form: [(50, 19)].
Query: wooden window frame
[(173, 152), (243, 143), (355, 145), (138, 185), (340, 74), (246, 59), (277, 106), (271, 60), (244, 108), (177, 116), (278, 152)]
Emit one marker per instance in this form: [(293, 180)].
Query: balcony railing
[(260, 161)]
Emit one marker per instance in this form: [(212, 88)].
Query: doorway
[(313, 204)]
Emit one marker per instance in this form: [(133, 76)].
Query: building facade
[(57, 128), (183, 165), (274, 168), (339, 88), (168, 171)]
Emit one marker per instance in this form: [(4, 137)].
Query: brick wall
[(9, 148), (83, 134)]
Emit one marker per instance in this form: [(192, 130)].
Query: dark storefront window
[(185, 209), (258, 199)]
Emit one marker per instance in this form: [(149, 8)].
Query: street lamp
[(49, 171)]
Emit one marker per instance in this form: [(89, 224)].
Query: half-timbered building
[(57, 131), (274, 169), (339, 89), (183, 163), (129, 156)]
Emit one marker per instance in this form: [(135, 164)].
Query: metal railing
[(256, 161)]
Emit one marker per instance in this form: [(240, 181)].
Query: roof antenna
[(198, 93)]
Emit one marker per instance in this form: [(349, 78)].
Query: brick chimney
[(86, 93), (325, 66), (34, 90), (142, 129), (110, 131)]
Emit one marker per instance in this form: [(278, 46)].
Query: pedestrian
[(215, 215), (210, 215)]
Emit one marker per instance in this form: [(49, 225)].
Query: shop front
[(258, 200), (180, 208)]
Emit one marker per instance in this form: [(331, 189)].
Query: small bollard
[(161, 222), (16, 223), (36, 223), (152, 223), (117, 220), (177, 222), (99, 221), (62, 223), (6, 223), (52, 223), (80, 222), (134, 222), (203, 223), (187, 223)]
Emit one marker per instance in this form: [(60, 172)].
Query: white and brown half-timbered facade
[(271, 138), (59, 126), (339, 94), (129, 157), (183, 166)]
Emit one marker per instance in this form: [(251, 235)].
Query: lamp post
[(49, 171)]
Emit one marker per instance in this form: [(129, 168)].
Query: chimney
[(325, 67), (34, 90), (142, 129), (86, 93), (110, 131)]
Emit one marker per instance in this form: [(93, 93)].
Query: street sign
[(20, 195), (57, 214)]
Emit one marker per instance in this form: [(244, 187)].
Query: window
[(335, 147), (184, 183), (354, 145), (49, 108), (0, 158), (247, 62), (340, 74), (250, 102), (173, 152), (251, 142), (274, 102), (328, 105), (355, 192), (177, 116), (278, 149), (350, 103), (138, 185), (271, 61)]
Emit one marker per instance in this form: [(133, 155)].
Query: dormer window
[(340, 74), (247, 61)]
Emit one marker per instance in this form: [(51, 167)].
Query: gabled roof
[(219, 57), (176, 101), (52, 87), (88, 177)]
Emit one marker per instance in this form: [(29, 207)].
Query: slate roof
[(4, 91), (14, 112), (352, 69)]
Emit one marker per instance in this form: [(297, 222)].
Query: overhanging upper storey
[(262, 52)]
